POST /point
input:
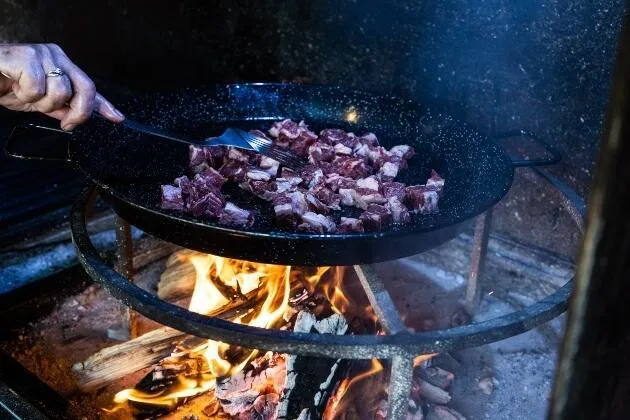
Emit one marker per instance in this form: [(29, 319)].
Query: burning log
[(313, 377), (115, 362), (178, 279), (422, 389), (284, 386), (436, 376), (254, 393)]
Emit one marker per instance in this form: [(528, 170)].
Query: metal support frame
[(401, 375), (399, 344), (124, 265), (478, 260)]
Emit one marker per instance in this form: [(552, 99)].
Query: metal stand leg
[(401, 375), (400, 382), (478, 261), (124, 263)]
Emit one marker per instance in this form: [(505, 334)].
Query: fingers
[(23, 65), (58, 89), (71, 97), (107, 110)]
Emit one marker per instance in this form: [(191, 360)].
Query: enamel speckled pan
[(129, 168)]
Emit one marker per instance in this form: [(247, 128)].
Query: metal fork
[(232, 137)]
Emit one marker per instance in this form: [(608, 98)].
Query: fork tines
[(268, 148)]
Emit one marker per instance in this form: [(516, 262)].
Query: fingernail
[(116, 112), (68, 127)]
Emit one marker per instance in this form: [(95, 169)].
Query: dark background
[(540, 65)]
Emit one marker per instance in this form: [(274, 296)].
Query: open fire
[(234, 382)]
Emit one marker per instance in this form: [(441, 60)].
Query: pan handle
[(50, 143), (519, 163)]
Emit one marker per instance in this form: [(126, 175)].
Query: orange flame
[(336, 403), (421, 359), (214, 274)]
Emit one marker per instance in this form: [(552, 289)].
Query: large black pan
[(129, 168)]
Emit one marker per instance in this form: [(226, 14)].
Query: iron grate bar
[(380, 299)]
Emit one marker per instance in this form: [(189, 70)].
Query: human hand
[(41, 78)]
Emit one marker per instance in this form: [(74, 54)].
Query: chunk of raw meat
[(378, 156), (269, 165), (399, 212), (318, 178), (403, 151), (286, 128), (422, 199), (315, 205), (349, 224), (266, 190), (369, 139), (369, 183), (394, 189), (320, 152), (258, 175), (238, 155), (210, 177), (289, 207), (376, 218), (310, 172), (327, 196), (233, 215), (389, 170), (181, 181), (435, 181), (172, 198), (332, 136), (351, 167), (335, 181), (234, 170), (363, 197), (316, 223), (304, 141), (362, 150), (196, 155), (211, 204), (347, 196), (341, 149)]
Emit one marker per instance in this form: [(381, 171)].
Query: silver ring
[(55, 73)]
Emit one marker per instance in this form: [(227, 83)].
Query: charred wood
[(436, 376), (115, 362), (311, 380), (423, 390)]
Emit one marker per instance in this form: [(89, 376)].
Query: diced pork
[(172, 198), (376, 218), (232, 215), (422, 199), (349, 224), (317, 223)]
